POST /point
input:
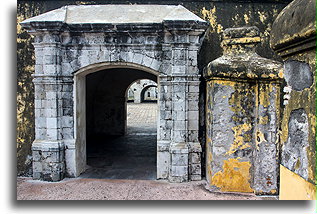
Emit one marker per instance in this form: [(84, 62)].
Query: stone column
[(242, 116), (48, 146)]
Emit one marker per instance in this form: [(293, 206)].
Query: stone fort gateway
[(86, 56)]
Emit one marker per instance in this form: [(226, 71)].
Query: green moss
[(25, 90)]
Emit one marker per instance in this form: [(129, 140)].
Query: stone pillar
[(179, 150), (242, 116), (293, 37), (137, 95), (53, 112)]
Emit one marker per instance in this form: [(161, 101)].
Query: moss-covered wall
[(221, 14), (25, 94)]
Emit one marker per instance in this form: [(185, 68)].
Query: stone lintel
[(46, 145)]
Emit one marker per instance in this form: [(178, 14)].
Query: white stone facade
[(67, 51)]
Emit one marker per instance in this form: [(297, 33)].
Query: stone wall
[(294, 39)]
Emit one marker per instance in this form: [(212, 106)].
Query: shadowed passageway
[(132, 156)]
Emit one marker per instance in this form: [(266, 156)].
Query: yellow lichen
[(263, 120), (234, 177), (246, 18), (210, 15), (262, 16), (239, 138)]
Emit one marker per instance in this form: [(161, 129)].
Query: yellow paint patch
[(264, 120), (239, 141), (264, 97), (294, 187), (234, 177), (243, 40), (281, 74)]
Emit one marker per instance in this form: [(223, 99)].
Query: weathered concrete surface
[(294, 39), (242, 116), (102, 189), (295, 22)]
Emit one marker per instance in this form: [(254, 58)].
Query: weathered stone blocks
[(67, 51)]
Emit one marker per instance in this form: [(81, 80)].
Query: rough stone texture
[(298, 75), (296, 22), (294, 38), (242, 116), (70, 49), (294, 155)]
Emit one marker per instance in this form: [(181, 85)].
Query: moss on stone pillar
[(243, 116)]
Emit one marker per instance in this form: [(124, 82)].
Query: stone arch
[(98, 66), (138, 88), (144, 90), (81, 129)]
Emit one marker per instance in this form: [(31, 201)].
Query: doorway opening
[(114, 151)]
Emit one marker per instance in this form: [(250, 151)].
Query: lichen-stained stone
[(293, 37), (242, 116), (74, 41)]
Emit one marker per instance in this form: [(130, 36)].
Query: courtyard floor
[(105, 189)]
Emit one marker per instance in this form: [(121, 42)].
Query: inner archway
[(141, 113), (149, 94)]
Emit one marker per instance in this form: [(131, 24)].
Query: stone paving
[(103, 189), (141, 118)]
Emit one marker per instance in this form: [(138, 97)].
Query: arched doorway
[(68, 48), (107, 150), (149, 94), (142, 116)]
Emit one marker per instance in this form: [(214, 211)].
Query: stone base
[(48, 160)]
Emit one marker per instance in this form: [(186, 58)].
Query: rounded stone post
[(293, 37), (242, 116)]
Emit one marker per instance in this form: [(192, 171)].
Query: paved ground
[(141, 118), (126, 157), (102, 189)]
